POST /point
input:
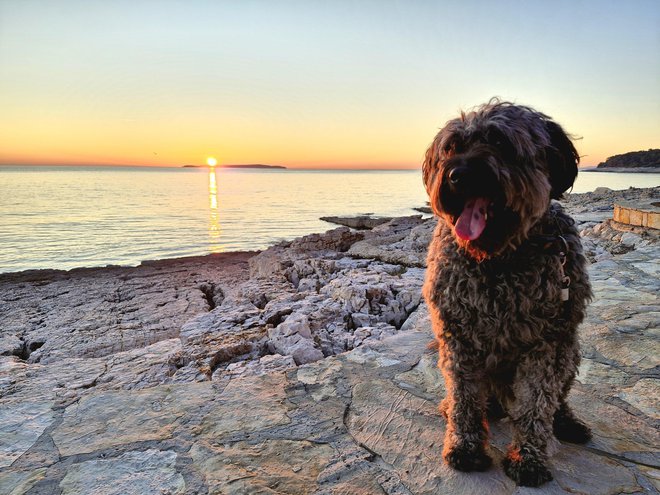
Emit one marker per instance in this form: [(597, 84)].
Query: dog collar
[(555, 244)]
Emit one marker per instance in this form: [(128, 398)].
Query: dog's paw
[(570, 429), (463, 458), (526, 470)]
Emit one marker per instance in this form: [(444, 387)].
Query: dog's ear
[(430, 174), (562, 159), (430, 167)]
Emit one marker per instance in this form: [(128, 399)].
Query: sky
[(339, 84)]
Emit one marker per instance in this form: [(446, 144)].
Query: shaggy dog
[(506, 284)]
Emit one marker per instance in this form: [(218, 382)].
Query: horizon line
[(232, 165)]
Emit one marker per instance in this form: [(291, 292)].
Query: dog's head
[(491, 174)]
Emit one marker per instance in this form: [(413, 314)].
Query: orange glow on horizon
[(61, 141), (151, 143)]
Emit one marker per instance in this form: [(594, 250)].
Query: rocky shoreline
[(300, 369), (623, 170)]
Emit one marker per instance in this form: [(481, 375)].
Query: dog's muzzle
[(471, 214)]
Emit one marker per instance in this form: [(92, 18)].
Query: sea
[(67, 217)]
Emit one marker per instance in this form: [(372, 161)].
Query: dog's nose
[(457, 175)]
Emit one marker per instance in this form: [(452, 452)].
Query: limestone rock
[(293, 337), (269, 364), (248, 468), (21, 424), (402, 241), (110, 419), (358, 222), (232, 330), (578, 471), (20, 482), (133, 473), (248, 405), (97, 312), (645, 396), (12, 345)]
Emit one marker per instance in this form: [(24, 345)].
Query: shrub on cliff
[(650, 158)]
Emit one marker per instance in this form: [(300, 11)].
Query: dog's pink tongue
[(472, 221)]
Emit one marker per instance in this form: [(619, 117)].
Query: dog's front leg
[(467, 430), (536, 391)]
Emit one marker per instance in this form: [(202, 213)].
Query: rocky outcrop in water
[(359, 222), (302, 369)]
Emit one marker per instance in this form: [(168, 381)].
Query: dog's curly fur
[(505, 335)]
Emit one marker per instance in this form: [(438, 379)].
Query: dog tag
[(565, 284)]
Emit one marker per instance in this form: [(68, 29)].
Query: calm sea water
[(66, 217)]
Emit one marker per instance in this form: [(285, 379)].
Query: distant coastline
[(633, 161), (255, 165), (633, 170)]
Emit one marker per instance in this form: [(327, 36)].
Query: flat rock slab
[(96, 312), (21, 424), (269, 466), (248, 405), (18, 482), (104, 420), (150, 472), (359, 222)]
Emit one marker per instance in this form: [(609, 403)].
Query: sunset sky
[(311, 83)]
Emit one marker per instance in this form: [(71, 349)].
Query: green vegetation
[(634, 159)]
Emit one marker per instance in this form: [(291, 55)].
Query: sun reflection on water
[(214, 220)]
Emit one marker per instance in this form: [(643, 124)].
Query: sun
[(211, 162)]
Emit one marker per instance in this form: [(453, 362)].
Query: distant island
[(252, 165), (634, 161)]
